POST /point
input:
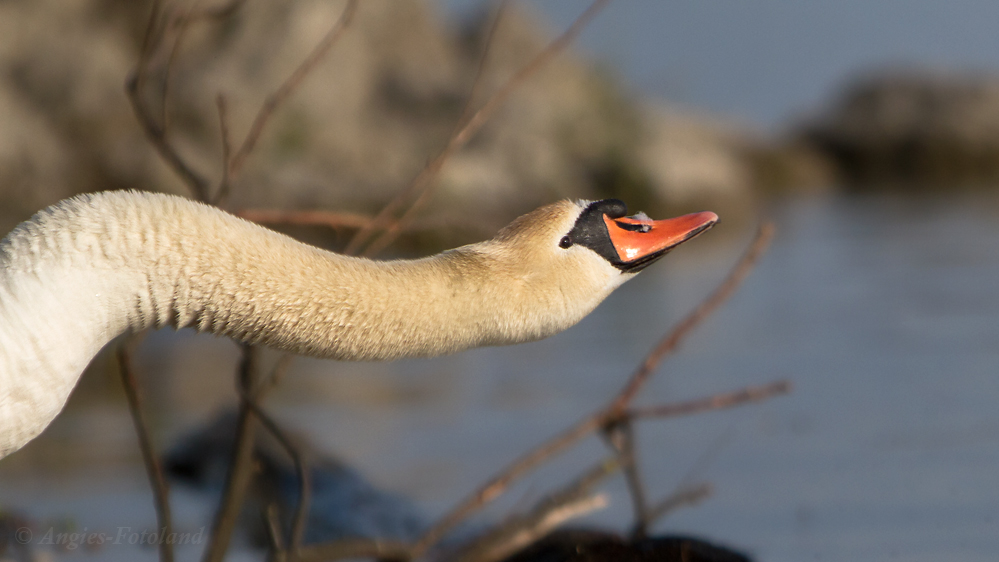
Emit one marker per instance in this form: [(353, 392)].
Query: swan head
[(568, 256)]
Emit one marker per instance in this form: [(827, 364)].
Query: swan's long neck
[(88, 269)]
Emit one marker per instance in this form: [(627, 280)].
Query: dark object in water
[(343, 504), (577, 545)]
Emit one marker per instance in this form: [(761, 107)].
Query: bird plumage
[(90, 268)]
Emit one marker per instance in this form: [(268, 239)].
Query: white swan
[(87, 269)]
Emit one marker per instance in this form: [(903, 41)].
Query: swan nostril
[(634, 226)]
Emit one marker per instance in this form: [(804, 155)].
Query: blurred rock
[(579, 545), (343, 503), (361, 126), (913, 128)]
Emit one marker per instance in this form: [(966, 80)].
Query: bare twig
[(285, 90), (154, 470), (181, 23), (479, 81), (393, 229), (681, 498), (240, 471), (158, 137), (621, 437), (672, 339), (274, 528), (277, 374), (423, 182), (155, 130), (613, 413), (713, 403), (223, 107), (162, 23), (301, 466), (571, 501), (498, 484), (644, 516), (148, 43)]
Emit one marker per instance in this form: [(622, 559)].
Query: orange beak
[(640, 242)]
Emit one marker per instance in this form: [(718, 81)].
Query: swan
[(89, 268)]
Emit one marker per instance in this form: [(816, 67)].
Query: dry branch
[(223, 107), (394, 227), (621, 437), (571, 501), (158, 137), (251, 401), (240, 471), (235, 164), (419, 188), (672, 340), (157, 50), (683, 497), (154, 469), (713, 403), (615, 412)]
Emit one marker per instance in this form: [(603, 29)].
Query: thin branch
[(157, 136), (393, 229), (147, 43), (182, 23), (613, 413), (240, 471), (681, 498), (621, 437), (713, 403), (687, 492), (480, 72), (223, 191), (154, 470), (672, 340), (495, 487), (274, 528), (277, 374), (301, 466), (289, 86), (571, 501), (155, 130), (423, 182)]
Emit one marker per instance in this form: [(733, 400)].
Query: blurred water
[(882, 311), (769, 60)]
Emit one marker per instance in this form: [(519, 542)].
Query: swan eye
[(565, 242)]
